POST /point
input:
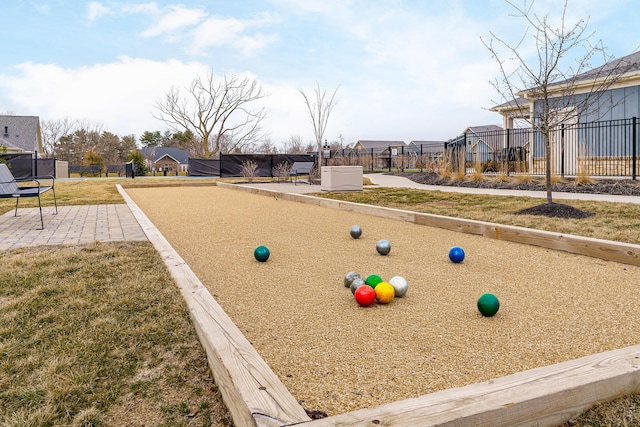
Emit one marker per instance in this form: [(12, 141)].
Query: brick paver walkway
[(74, 225)]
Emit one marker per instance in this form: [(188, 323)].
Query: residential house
[(377, 147), (423, 153), (166, 160), (378, 153), (21, 133), (339, 157), (10, 147), (483, 143), (620, 100), (577, 146)]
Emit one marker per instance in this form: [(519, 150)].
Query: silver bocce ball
[(356, 284), (355, 231), (383, 247), (350, 277)]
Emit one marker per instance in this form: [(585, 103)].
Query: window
[(6, 131)]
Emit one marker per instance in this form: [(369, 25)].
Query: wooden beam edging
[(544, 397), (609, 250), (253, 393)]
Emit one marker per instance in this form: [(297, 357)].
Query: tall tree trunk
[(548, 167)]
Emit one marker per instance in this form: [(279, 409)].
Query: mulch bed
[(555, 210), (623, 187)]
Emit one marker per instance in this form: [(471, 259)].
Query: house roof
[(10, 147), (365, 143), (621, 66), (426, 146), (416, 142), (621, 69), (616, 71), (166, 156), (483, 128), (22, 132), (488, 135), (518, 104), (157, 153)]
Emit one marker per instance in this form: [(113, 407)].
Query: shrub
[(281, 171), (138, 161), (249, 170)]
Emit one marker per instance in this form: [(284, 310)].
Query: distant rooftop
[(21, 131)]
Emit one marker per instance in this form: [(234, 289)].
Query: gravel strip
[(335, 356)]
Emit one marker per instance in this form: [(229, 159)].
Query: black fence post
[(562, 150), (372, 160), (389, 158), (271, 163), (508, 153), (634, 144), (35, 163), (421, 158)]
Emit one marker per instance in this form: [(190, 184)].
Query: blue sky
[(405, 70)]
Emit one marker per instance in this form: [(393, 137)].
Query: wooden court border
[(545, 396)]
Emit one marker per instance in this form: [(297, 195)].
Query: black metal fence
[(113, 170), (230, 165), (28, 165), (605, 148), (424, 157)]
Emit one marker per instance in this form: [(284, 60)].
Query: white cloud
[(233, 32), (96, 10), (334, 9), (140, 8), (119, 95), (173, 19), (403, 74)]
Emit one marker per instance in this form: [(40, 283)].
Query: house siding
[(615, 104)]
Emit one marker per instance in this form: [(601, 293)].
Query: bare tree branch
[(216, 112), (319, 112), (555, 82)]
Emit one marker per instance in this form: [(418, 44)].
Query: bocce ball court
[(566, 334)]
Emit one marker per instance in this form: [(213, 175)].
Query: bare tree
[(73, 146), (554, 79), (319, 111), (294, 145), (216, 111), (52, 130), (266, 147)]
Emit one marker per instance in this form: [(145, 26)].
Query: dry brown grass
[(524, 178), (620, 412), (502, 177), (99, 336), (477, 174)]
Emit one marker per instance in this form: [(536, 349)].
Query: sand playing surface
[(337, 357)]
